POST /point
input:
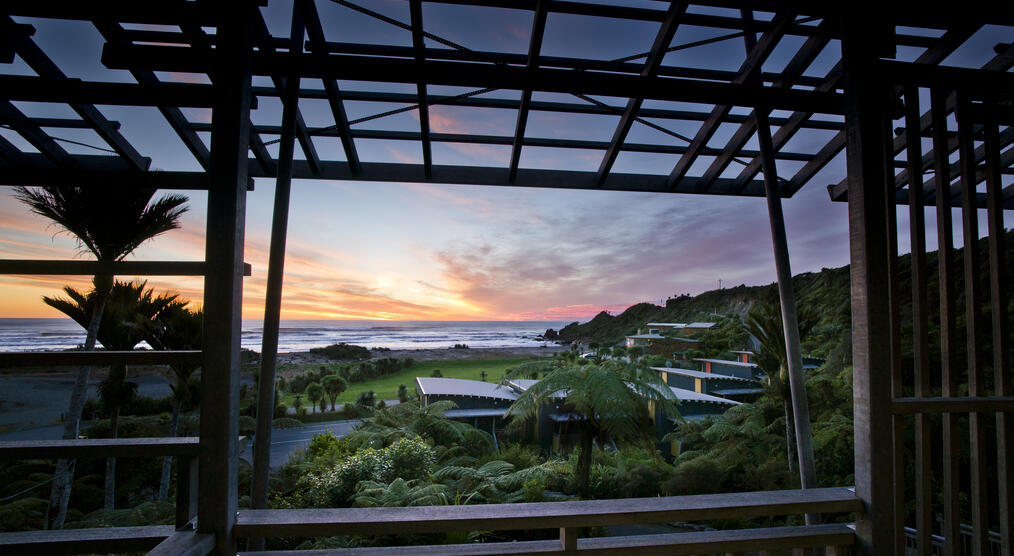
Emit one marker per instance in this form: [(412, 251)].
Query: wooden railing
[(108, 539), (567, 517)]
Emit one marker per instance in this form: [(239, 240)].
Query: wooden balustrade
[(113, 539), (569, 516)]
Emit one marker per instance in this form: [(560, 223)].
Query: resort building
[(727, 387), (744, 356), (730, 368)]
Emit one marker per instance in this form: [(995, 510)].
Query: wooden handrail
[(98, 358), (121, 268), (100, 448), (544, 515)]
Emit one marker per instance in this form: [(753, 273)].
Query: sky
[(402, 251)]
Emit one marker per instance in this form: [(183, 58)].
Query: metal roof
[(700, 374), (439, 386), (728, 362), (691, 396), (468, 413), (737, 391)]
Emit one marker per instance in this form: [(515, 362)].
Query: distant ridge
[(826, 293)]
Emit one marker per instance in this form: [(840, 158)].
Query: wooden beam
[(39, 139), (71, 90), (121, 268), (223, 285), (527, 177), (584, 513), (976, 373), (952, 404), (15, 359), (273, 295), (789, 76), (651, 64), (317, 45), (920, 324), (745, 75), (534, 50), (950, 481), (415, 9), (99, 448), (45, 68), (368, 68), (185, 543), (866, 124), (998, 297), (97, 540)]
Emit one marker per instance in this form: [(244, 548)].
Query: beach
[(37, 397)]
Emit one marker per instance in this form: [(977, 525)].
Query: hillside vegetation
[(825, 294)]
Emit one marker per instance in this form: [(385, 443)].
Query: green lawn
[(386, 387)]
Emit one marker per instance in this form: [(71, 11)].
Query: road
[(283, 441), (286, 441)]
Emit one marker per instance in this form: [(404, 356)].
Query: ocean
[(301, 335)]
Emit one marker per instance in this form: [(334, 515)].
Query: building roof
[(468, 413), (667, 324), (646, 337), (738, 391), (746, 351), (700, 374), (700, 325), (728, 362), (685, 395), (430, 386)]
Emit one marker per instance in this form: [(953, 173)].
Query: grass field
[(386, 387)]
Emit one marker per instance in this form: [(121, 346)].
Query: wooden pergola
[(904, 121)]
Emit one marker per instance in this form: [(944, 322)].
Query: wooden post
[(568, 539), (273, 296), (920, 321), (948, 368), (186, 491), (867, 145), (979, 480), (998, 294), (223, 284), (790, 323)]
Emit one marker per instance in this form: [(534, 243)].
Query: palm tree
[(764, 322), (373, 494), (613, 400), (110, 223), (315, 393), (333, 386), (178, 328), (129, 306)]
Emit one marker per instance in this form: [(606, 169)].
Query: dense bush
[(343, 352), (139, 406)]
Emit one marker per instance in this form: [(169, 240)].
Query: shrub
[(334, 486), (288, 423), (343, 352), (410, 458), (247, 425), (367, 399), (460, 346)]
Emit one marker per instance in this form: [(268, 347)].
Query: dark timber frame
[(955, 132)]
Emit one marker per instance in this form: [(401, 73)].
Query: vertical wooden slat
[(970, 232), (920, 322), (1001, 334), (186, 490), (223, 285), (867, 144), (897, 378), (568, 539), (949, 374)]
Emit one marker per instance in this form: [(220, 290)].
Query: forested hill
[(824, 293)]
